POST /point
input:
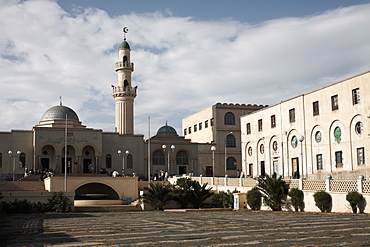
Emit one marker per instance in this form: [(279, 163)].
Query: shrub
[(323, 201), (254, 199), (354, 198), (60, 203), (224, 199), (274, 191), (157, 195), (297, 199)]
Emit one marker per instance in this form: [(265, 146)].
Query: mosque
[(61, 142)]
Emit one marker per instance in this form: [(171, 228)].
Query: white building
[(321, 133)]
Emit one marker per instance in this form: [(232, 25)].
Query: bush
[(60, 203), (297, 199), (354, 198), (274, 191), (323, 201), (157, 195), (254, 199), (224, 199)]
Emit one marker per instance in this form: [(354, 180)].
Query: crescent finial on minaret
[(125, 30), (60, 100)]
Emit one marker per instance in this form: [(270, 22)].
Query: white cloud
[(181, 65)]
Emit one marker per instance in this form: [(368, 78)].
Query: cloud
[(182, 65)]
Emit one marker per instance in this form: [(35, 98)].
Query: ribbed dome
[(166, 130), (60, 112), (124, 45)]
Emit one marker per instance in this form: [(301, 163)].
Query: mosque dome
[(166, 130), (124, 45), (60, 112)]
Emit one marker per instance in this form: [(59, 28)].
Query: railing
[(130, 90), (328, 185), (124, 65)]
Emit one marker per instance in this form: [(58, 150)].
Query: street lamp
[(123, 159), (301, 139), (168, 155), (213, 148), (226, 150), (10, 152)]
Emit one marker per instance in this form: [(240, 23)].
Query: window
[(108, 161), (1, 160), (319, 163), (182, 158), (292, 115), (200, 126), (185, 132), (230, 163), (248, 128), (273, 121), (229, 118), (338, 159), (337, 134), (318, 136), (358, 128), (260, 125), (315, 108), (195, 128), (206, 124), (22, 160), (212, 122), (334, 102), (360, 156), (130, 161), (230, 141), (189, 130), (158, 158), (356, 96)]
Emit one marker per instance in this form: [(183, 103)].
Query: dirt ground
[(237, 228)]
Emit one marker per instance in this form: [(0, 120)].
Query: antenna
[(125, 30)]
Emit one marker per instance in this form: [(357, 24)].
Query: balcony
[(124, 65)]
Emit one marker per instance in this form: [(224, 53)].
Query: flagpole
[(148, 151), (65, 156)]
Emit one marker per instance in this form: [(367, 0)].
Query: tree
[(157, 195), (188, 191), (224, 199), (354, 198), (254, 199), (323, 201), (59, 203), (297, 198), (274, 191)]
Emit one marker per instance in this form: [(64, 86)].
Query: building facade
[(218, 128), (314, 135)]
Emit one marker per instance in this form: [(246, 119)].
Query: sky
[(188, 55)]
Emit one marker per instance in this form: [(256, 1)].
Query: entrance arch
[(95, 191)]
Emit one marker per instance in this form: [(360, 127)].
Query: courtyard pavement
[(226, 228)]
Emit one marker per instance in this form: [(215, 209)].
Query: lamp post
[(301, 139), (213, 148), (168, 155), (10, 152), (226, 151), (123, 159)]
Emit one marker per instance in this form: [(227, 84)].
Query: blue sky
[(188, 55)]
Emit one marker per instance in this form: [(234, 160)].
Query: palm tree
[(157, 195), (274, 191), (199, 194)]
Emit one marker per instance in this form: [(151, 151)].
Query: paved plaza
[(231, 228)]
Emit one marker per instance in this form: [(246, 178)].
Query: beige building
[(218, 126), (321, 133)]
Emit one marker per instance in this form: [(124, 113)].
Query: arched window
[(130, 164), (125, 61), (22, 160), (182, 158), (230, 141), (125, 83), (229, 118), (108, 161), (158, 158), (230, 163), (1, 160)]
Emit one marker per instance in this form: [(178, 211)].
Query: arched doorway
[(88, 160), (95, 191), (71, 153), (47, 158)]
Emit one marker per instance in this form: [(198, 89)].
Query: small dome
[(60, 112), (124, 45), (166, 130)]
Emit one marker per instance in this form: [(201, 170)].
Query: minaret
[(124, 94)]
